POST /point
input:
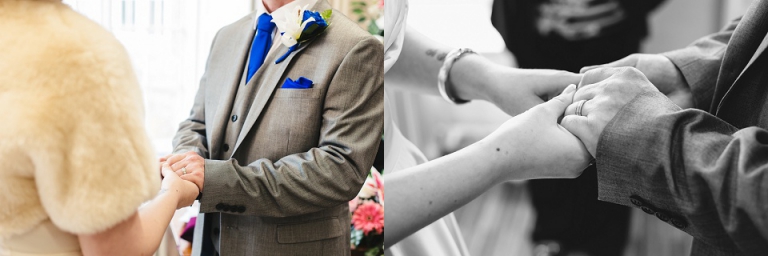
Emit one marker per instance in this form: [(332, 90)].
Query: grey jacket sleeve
[(690, 169), (191, 133), (325, 176), (700, 62)]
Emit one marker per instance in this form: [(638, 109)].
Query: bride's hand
[(184, 191), (517, 90), (533, 144)]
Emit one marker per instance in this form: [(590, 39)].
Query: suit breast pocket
[(298, 111), (311, 93)]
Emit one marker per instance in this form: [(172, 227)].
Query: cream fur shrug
[(72, 142)]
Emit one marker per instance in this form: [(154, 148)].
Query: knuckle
[(632, 73)]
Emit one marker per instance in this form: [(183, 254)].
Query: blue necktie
[(261, 44)]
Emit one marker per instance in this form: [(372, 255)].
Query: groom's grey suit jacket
[(278, 179), (704, 170)]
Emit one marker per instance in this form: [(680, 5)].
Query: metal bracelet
[(442, 76)]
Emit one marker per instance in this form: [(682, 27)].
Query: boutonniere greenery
[(299, 26)]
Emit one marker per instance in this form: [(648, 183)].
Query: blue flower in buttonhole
[(316, 24), (299, 25)]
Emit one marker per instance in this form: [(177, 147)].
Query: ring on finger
[(580, 107), (184, 170)]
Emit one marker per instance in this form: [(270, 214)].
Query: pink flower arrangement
[(367, 213), (369, 217)]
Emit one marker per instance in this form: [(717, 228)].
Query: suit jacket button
[(678, 223), (662, 216), (648, 210), (636, 200), (227, 208), (234, 118), (241, 209), (219, 206), (225, 147)]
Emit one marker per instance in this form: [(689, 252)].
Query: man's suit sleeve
[(325, 176), (690, 169), (699, 63)]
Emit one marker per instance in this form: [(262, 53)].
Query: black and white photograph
[(576, 127)]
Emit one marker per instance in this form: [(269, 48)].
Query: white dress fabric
[(443, 236)]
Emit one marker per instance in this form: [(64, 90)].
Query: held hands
[(189, 166), (185, 191), (603, 93), (533, 145)]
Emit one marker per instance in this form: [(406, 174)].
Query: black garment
[(568, 210), (516, 22)]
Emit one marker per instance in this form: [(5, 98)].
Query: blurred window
[(168, 42)]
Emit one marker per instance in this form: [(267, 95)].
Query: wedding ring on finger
[(580, 107), (184, 170)]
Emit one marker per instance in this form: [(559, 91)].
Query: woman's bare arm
[(141, 233)]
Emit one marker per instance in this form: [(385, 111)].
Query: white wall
[(677, 23)]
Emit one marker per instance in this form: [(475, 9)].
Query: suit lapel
[(760, 50), (743, 48), (269, 75), (233, 67)]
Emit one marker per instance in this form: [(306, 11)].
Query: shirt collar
[(261, 9)]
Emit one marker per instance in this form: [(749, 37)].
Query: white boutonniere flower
[(298, 25)]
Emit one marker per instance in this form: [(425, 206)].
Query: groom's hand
[(604, 92), (192, 163), (661, 72)]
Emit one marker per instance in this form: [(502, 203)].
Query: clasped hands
[(184, 173), (604, 90), (558, 138)]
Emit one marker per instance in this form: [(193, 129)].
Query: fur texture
[(72, 141)]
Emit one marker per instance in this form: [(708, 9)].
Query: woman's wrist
[(468, 78), (171, 193), (503, 163)]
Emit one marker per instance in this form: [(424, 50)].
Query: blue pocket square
[(301, 83)]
